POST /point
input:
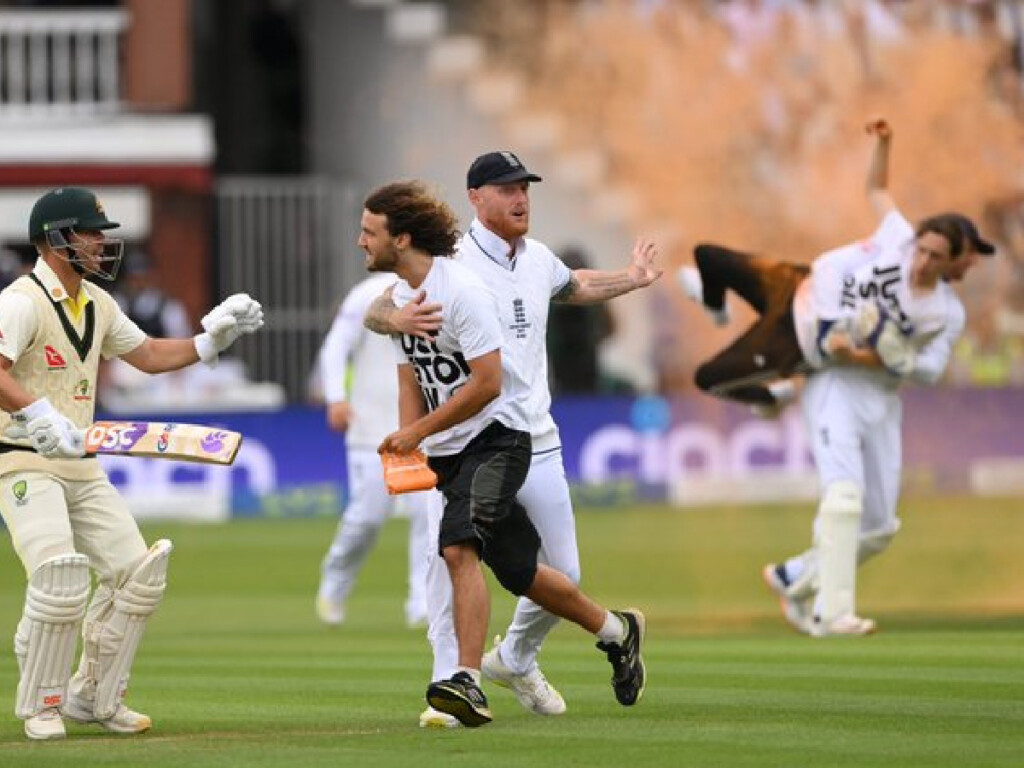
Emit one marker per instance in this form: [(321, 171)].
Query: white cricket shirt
[(469, 329), (878, 269), (372, 387), (522, 285)]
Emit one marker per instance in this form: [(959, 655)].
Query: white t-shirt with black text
[(469, 329), (878, 269)]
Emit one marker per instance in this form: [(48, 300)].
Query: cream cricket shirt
[(522, 284), (55, 343)]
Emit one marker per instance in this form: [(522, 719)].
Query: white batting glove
[(876, 328), (896, 350), (52, 434), (236, 315)]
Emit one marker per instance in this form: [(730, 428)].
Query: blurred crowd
[(739, 121)]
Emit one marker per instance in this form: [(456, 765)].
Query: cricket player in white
[(870, 316), (66, 521), (524, 276), (481, 459), (364, 405)]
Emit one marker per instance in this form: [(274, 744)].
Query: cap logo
[(512, 160), (99, 206)]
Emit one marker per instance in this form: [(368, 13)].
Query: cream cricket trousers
[(49, 516)]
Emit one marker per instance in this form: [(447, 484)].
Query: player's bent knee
[(516, 579), (705, 378), (875, 543), (703, 253)]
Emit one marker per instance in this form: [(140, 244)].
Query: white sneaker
[(124, 720), (532, 689), (851, 625), (690, 281), (45, 725), (435, 718), (796, 612), (330, 612)]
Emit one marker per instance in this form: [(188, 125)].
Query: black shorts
[(480, 484)]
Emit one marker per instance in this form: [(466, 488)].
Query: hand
[(339, 416), (51, 434), (236, 315), (874, 327), (245, 310), (879, 126), (868, 323), (641, 268), (417, 318), (896, 350), (838, 344), (405, 440)]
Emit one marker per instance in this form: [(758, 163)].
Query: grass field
[(236, 671)]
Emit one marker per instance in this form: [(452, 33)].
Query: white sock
[(613, 630), (474, 673)]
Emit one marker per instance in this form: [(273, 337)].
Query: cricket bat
[(165, 440)]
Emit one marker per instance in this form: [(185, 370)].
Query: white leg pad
[(112, 638), (45, 641), (838, 533)]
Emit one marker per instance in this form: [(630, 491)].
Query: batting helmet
[(72, 209), (67, 208)]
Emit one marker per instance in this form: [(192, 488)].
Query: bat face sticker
[(213, 442)]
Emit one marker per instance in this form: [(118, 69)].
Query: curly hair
[(411, 209)]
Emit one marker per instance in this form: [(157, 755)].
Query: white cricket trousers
[(853, 425), (545, 496), (368, 508)]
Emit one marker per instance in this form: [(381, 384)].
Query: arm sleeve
[(18, 324), (342, 339), (123, 335), (560, 273), (934, 356)]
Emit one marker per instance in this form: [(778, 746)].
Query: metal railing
[(60, 62), (290, 243)]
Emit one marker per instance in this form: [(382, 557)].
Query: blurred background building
[(234, 139)]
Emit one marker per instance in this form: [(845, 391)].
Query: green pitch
[(236, 671)]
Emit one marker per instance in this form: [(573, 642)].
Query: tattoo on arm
[(378, 316), (567, 291), (593, 286)]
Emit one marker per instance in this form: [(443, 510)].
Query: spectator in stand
[(144, 300)]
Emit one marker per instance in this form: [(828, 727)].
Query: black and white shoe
[(461, 698), (628, 673)]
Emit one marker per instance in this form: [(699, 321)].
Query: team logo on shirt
[(54, 359), (20, 491), (519, 322), (435, 371), (82, 390)]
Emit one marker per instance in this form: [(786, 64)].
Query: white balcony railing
[(60, 62)]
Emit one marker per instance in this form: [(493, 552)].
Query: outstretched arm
[(591, 286), (879, 197)]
